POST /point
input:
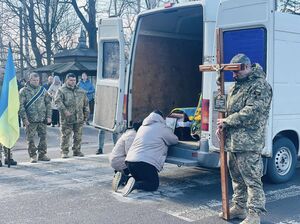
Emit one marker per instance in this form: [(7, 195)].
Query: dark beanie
[(159, 113)]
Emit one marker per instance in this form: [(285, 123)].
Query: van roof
[(175, 6)]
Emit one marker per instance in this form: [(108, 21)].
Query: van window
[(111, 60), (288, 6), (252, 42)]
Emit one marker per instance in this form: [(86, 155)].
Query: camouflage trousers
[(246, 170), (66, 132), (41, 130), (3, 148)]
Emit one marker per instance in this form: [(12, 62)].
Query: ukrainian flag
[(9, 105)]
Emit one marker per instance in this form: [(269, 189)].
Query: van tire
[(282, 165)]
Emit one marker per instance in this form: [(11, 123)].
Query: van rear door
[(110, 75)]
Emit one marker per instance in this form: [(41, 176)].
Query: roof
[(67, 67), (77, 52)]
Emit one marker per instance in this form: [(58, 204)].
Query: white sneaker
[(116, 181), (128, 187)]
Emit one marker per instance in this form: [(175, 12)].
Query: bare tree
[(90, 23), (289, 6)]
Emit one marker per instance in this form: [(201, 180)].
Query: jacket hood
[(153, 118), (257, 72)]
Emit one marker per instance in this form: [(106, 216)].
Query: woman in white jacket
[(148, 153), (52, 92), (118, 155)]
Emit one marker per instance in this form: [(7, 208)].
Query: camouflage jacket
[(248, 107), (73, 100), (40, 110)]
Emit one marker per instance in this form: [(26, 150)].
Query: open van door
[(110, 75)]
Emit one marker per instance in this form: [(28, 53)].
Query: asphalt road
[(78, 190)]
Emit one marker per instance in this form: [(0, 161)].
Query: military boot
[(64, 155), (33, 159), (43, 158), (235, 213), (79, 154), (12, 162), (252, 218)]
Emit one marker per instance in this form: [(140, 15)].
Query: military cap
[(240, 58)]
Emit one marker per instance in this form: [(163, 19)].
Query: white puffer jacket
[(119, 152), (151, 142)]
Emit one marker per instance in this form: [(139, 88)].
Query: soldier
[(73, 106), (248, 106), (35, 112)]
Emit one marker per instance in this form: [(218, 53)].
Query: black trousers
[(55, 117), (145, 174)]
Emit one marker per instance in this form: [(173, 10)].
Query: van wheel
[(282, 165)]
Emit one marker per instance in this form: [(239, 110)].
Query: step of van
[(181, 162), (183, 154), (189, 154)]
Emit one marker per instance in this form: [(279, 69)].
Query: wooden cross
[(219, 68)]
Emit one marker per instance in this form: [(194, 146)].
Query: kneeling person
[(118, 155), (148, 153)]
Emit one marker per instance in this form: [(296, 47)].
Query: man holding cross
[(247, 112)]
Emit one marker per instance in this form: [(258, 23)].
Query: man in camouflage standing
[(35, 112), (73, 105), (248, 107)]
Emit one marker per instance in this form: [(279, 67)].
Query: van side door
[(110, 75)]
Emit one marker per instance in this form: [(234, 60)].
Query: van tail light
[(205, 115), (125, 103)]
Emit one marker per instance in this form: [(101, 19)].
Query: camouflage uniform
[(3, 148), (76, 102), (37, 115), (247, 115)]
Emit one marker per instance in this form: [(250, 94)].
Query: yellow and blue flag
[(9, 105)]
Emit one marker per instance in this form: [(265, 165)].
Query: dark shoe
[(79, 154), (12, 162), (0, 163), (99, 151), (128, 187), (43, 158)]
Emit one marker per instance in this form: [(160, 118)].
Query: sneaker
[(43, 158), (64, 155), (33, 159), (252, 218), (235, 213), (12, 162), (79, 154), (99, 151), (128, 187), (116, 181)]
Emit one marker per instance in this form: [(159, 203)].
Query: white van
[(167, 48), (272, 39)]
